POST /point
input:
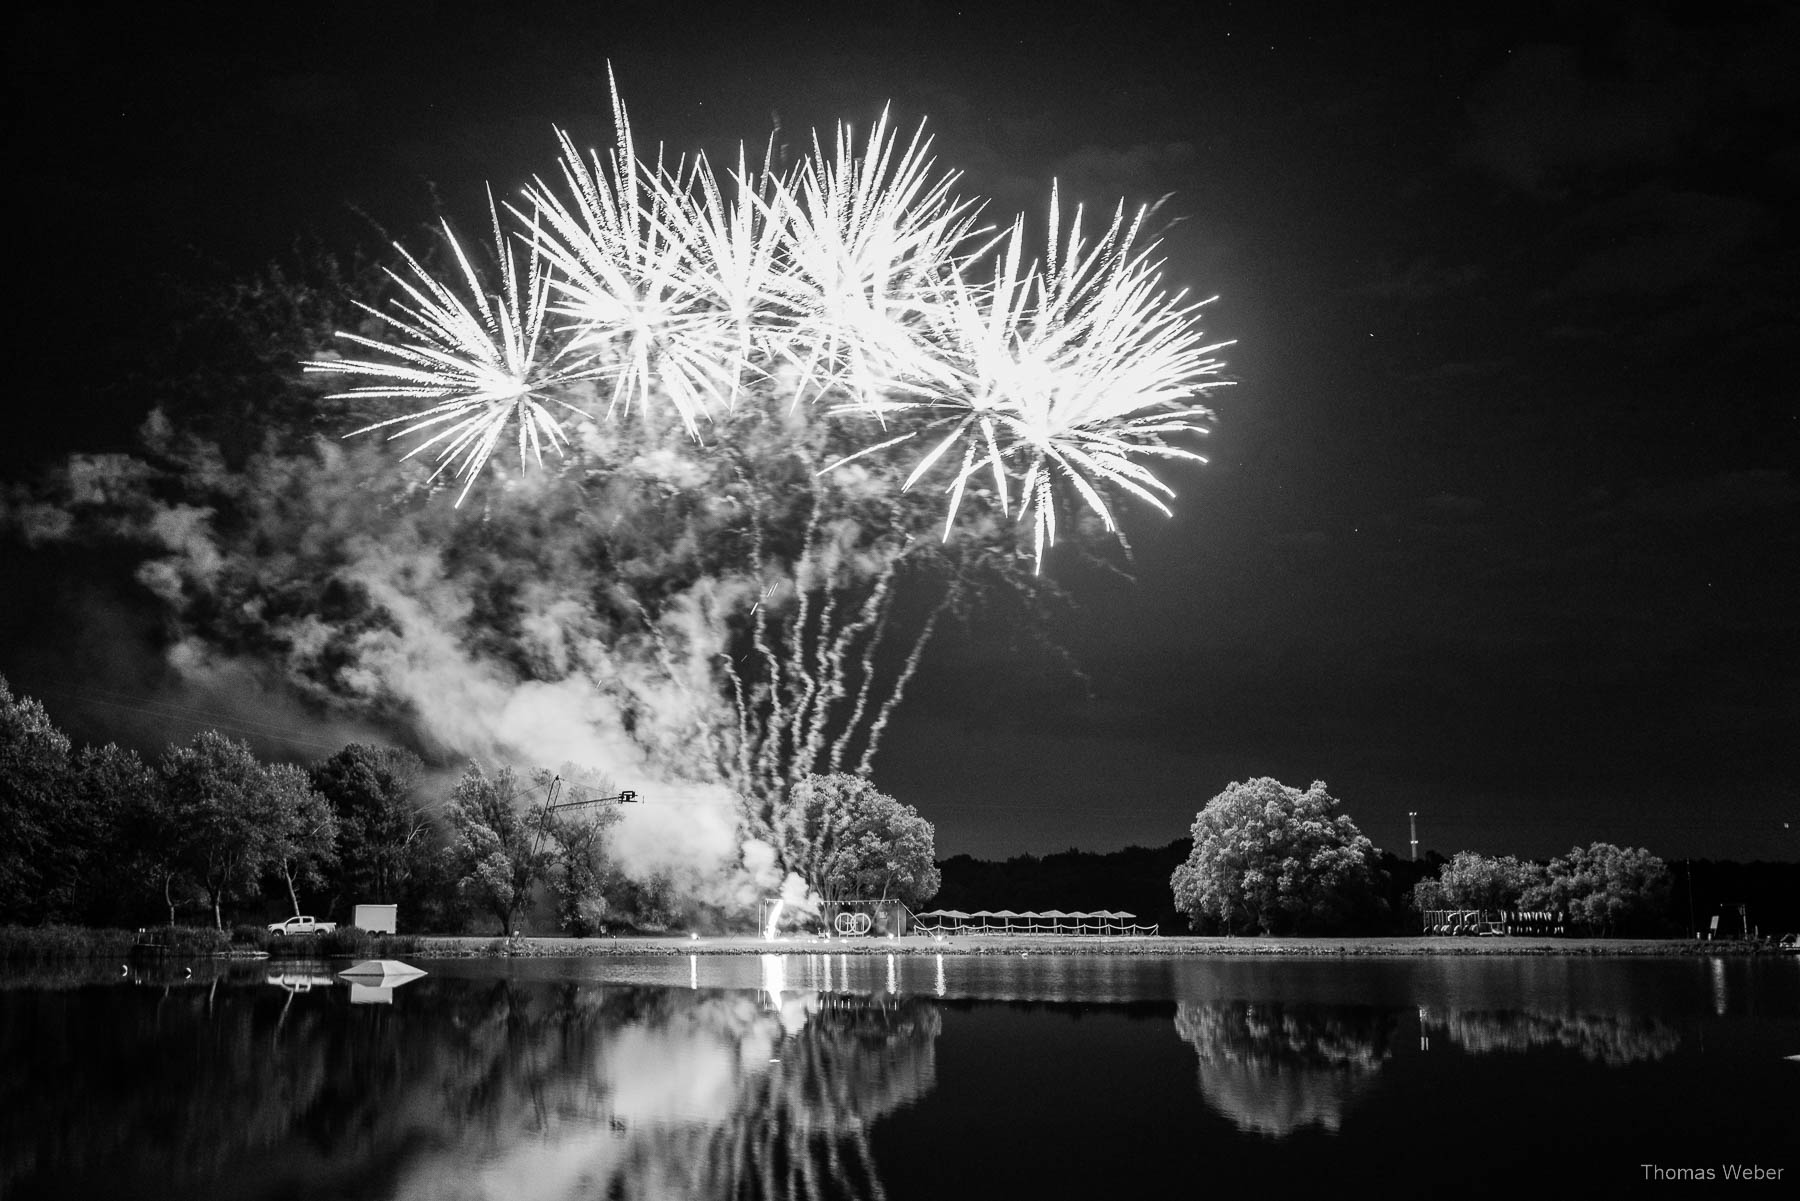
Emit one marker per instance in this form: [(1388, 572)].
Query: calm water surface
[(849, 1076)]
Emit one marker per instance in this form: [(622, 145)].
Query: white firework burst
[(480, 358), (1069, 375), (671, 287), (873, 241), (860, 277)]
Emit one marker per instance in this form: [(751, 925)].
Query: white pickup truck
[(300, 925)]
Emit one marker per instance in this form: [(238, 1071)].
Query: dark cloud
[(1666, 89), (1542, 118), (1422, 278), (1655, 241)]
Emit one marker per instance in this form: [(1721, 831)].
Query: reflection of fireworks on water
[(774, 920), (657, 1093), (811, 1081), (857, 279)]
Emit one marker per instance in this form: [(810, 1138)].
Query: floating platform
[(373, 981), (382, 971)]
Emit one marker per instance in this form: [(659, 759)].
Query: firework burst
[(1067, 374), (873, 243), (479, 357), (859, 277), (659, 288)]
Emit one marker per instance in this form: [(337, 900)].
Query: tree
[(34, 779), (1271, 858), (303, 840), (383, 830), (116, 796), (1612, 889), (493, 844), (1475, 881), (582, 873), (224, 816), (846, 839)]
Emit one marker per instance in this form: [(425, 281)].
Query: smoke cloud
[(316, 589)]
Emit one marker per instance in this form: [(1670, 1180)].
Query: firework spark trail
[(856, 277)]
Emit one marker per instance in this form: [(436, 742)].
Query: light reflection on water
[(830, 1075)]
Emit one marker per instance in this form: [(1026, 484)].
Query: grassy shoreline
[(56, 943), (1167, 946), (27, 945)]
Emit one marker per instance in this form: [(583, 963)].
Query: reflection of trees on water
[(1611, 1039), (1273, 1068), (464, 1089)]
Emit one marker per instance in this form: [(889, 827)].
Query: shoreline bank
[(1186, 947)]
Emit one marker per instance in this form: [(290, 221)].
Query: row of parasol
[(1046, 921)]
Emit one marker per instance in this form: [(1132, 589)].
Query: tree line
[(100, 836), (1267, 858)]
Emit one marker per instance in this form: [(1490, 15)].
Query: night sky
[(1500, 522)]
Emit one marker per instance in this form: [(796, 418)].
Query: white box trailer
[(377, 919)]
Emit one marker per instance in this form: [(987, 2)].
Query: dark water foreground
[(866, 1076)]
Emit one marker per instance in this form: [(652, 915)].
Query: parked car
[(300, 925)]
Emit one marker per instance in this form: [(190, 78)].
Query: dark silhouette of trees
[(383, 826), (34, 773), (1132, 879)]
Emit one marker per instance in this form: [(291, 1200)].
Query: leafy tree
[(493, 848), (384, 832), (1613, 889), (1472, 880), (582, 873), (115, 796), (647, 904), (1428, 895), (224, 816), (846, 839), (34, 777), (303, 841), (1271, 858)]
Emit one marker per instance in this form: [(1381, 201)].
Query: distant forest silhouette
[(1136, 879)]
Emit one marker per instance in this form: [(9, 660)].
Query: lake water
[(994, 1076)]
